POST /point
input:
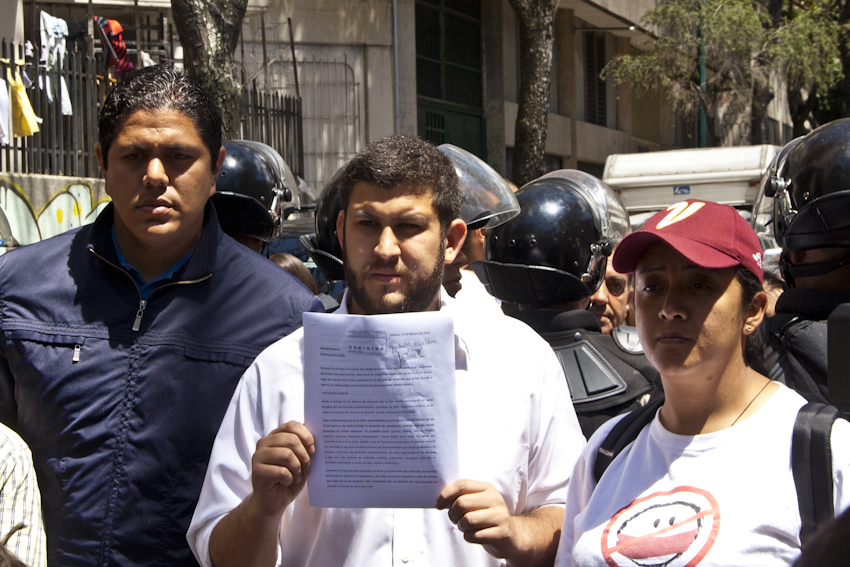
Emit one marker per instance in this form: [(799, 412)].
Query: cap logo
[(679, 211), (757, 258)]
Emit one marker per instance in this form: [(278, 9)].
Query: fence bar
[(64, 145)]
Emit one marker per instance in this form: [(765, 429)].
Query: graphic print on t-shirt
[(675, 528)]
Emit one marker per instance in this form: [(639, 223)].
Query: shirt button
[(405, 559)]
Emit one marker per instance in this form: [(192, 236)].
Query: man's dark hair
[(400, 160), (161, 87)]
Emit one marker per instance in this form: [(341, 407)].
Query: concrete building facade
[(447, 70)]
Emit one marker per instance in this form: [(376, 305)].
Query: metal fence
[(64, 144), (275, 119)]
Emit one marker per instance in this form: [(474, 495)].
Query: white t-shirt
[(723, 498), (516, 430)]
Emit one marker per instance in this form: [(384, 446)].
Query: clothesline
[(17, 116)]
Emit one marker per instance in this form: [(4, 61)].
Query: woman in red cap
[(709, 480)]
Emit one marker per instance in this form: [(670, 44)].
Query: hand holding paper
[(479, 511), (280, 466)]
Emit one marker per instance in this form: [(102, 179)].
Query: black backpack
[(811, 457)]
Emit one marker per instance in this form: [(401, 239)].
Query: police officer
[(548, 261), (486, 202), (810, 187), (252, 191), (323, 246)]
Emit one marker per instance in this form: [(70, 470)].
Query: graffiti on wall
[(48, 206)]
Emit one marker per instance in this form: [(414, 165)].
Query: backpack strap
[(624, 432), (811, 463)]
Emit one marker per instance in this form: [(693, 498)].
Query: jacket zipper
[(139, 314), (137, 322)]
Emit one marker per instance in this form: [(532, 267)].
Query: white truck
[(650, 181)]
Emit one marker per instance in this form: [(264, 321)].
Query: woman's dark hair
[(754, 347), (297, 268)]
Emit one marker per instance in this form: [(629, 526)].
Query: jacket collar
[(201, 264)]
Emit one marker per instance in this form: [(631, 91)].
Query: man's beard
[(418, 296)]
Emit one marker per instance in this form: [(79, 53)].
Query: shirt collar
[(201, 264), (146, 287)]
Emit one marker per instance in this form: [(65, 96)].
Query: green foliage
[(806, 47), (742, 48)]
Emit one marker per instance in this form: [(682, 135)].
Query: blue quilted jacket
[(119, 399)]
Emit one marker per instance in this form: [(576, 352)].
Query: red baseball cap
[(708, 234)]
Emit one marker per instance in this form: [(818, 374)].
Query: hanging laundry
[(28, 52), (24, 120), (147, 60), (77, 33), (5, 116), (113, 32), (108, 53), (53, 34)]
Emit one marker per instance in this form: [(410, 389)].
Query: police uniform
[(607, 374)]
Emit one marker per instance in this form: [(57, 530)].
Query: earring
[(748, 329)]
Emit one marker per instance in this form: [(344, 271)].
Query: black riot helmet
[(811, 191), (556, 250), (323, 246), (252, 190), (763, 206)]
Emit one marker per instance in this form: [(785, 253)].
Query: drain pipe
[(395, 53)]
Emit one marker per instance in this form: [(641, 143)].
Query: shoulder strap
[(623, 433), (811, 462)]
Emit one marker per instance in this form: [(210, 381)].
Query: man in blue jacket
[(122, 342)]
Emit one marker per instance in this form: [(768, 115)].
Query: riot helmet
[(811, 193), (486, 198), (323, 245), (252, 190), (763, 205), (556, 250)]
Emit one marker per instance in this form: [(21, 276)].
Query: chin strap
[(791, 271)]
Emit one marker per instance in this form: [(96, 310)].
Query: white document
[(379, 398)]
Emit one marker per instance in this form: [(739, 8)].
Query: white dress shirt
[(516, 430)]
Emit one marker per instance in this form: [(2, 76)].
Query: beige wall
[(557, 133), (331, 22), (631, 10), (407, 66), (596, 143), (346, 71), (12, 25)]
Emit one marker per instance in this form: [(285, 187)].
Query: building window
[(448, 51), (595, 96), (435, 128)]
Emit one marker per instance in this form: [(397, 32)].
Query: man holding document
[(439, 437)]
